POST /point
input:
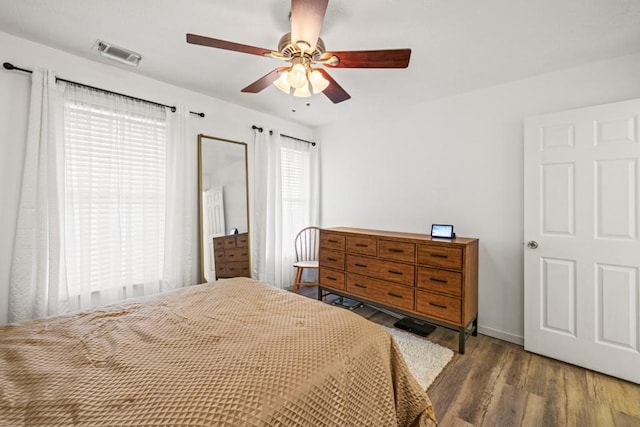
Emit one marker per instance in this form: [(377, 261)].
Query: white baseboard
[(504, 336)]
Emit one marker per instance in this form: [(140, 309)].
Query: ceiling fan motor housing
[(290, 49)]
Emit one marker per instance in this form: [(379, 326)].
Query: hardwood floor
[(497, 383)]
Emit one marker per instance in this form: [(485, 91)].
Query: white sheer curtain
[(181, 182), (285, 201), (115, 165), (267, 219), (35, 287), (105, 211)]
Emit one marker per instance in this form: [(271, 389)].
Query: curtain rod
[(9, 66), (259, 129)]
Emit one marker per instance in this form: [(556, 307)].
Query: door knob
[(532, 244)]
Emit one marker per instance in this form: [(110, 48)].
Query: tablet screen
[(441, 230)]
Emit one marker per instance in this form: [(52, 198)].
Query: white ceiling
[(457, 45)]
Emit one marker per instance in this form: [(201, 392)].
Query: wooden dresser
[(434, 280), (232, 255)]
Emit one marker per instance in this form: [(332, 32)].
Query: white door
[(214, 211), (212, 226), (581, 181)]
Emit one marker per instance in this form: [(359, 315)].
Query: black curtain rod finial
[(197, 114), (10, 66), (259, 129)]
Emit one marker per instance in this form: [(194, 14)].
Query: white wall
[(457, 160), (222, 119), (460, 161)]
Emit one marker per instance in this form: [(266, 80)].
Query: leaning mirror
[(223, 207)]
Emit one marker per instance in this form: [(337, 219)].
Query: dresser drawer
[(440, 256), (397, 272), (331, 279), (331, 240), (376, 268), (237, 269), (332, 259), (362, 265), (443, 281), (380, 291), (242, 240), (237, 254), (361, 245), (220, 268), (399, 251), (438, 306), (218, 243), (230, 242)]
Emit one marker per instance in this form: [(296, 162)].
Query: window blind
[(295, 184), (114, 171)]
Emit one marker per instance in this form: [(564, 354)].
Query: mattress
[(233, 353)]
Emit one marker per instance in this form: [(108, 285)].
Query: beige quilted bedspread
[(233, 353)]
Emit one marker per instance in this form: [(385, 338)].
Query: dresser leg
[(319, 293), (475, 326), (461, 339)]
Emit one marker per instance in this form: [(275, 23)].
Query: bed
[(233, 353)]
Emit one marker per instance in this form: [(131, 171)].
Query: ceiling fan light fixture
[(317, 81), (282, 82), (302, 92), (297, 76)]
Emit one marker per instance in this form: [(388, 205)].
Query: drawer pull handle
[(331, 278), (391, 294), (433, 279), (358, 285), (332, 259), (397, 251), (400, 273), (332, 241), (439, 256), (362, 245), (435, 304), (361, 265)]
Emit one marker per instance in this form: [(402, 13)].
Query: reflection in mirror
[(224, 219)]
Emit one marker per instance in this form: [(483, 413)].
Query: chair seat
[(306, 264)]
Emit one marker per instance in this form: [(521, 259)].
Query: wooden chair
[(306, 245)]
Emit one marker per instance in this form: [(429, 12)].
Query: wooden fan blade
[(264, 81), (390, 58), (334, 91), (223, 44), (306, 20)]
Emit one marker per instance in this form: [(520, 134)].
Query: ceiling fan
[(302, 48)]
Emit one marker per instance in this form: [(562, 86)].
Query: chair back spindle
[(307, 243)]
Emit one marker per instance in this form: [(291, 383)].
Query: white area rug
[(424, 358)]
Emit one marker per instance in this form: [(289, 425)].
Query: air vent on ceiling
[(117, 53)]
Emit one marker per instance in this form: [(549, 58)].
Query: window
[(296, 192), (295, 164), (114, 194)]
